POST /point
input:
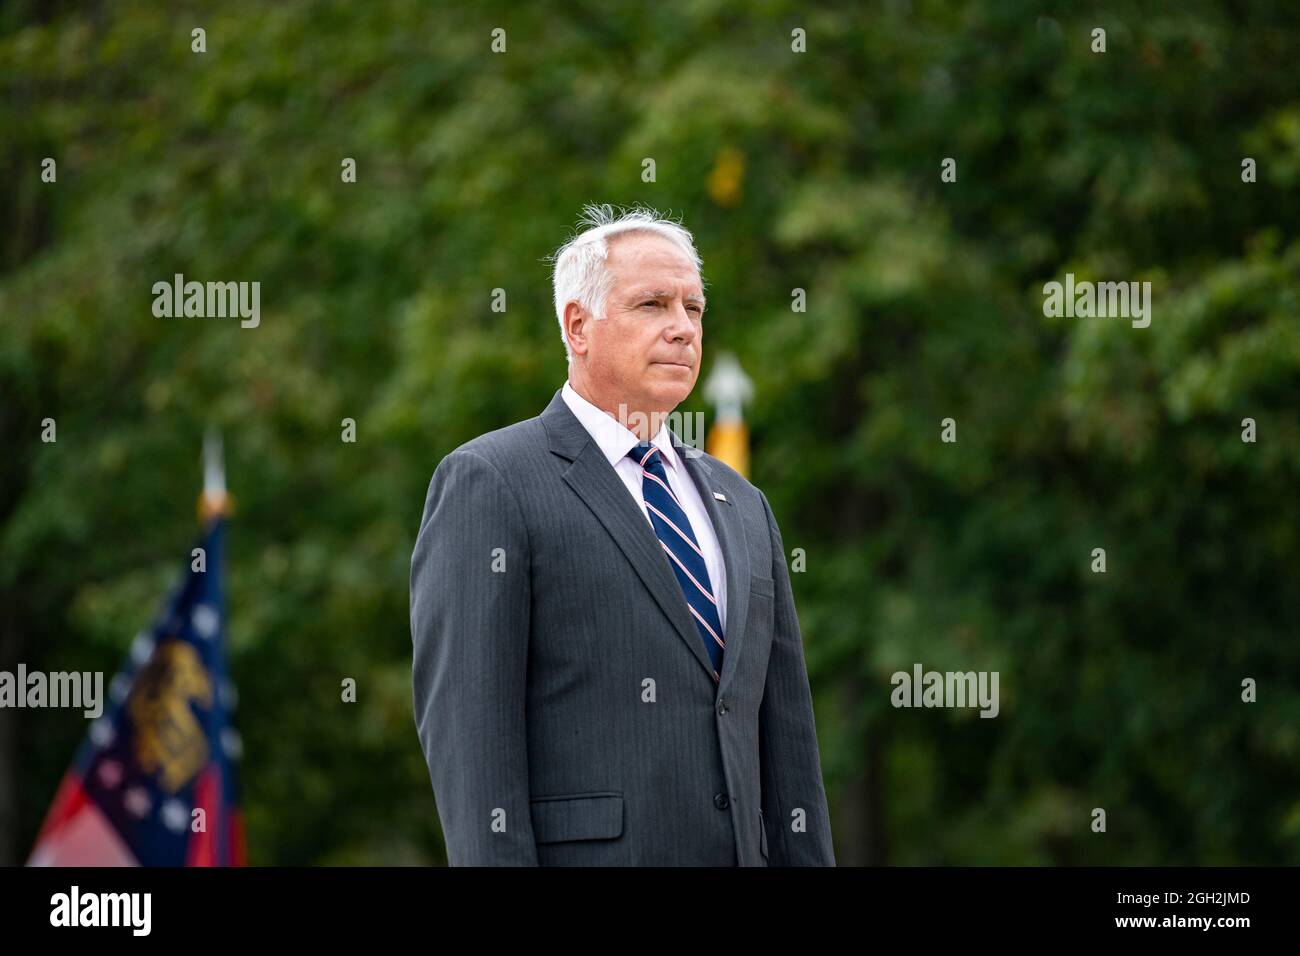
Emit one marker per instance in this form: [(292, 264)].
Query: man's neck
[(645, 425)]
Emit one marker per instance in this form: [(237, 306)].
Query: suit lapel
[(594, 480), (730, 530)]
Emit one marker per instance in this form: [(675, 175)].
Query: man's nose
[(681, 328)]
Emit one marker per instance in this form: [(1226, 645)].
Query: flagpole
[(728, 388), (214, 502)]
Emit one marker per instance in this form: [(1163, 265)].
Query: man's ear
[(576, 320)]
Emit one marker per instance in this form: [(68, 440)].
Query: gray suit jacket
[(563, 696)]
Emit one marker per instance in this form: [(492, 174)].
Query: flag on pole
[(154, 783)]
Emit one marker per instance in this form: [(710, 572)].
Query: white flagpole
[(214, 502)]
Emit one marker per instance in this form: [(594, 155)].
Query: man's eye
[(650, 303)]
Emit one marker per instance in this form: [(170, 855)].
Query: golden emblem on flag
[(169, 736)]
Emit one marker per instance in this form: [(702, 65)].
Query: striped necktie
[(674, 531)]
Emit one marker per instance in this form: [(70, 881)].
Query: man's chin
[(668, 397)]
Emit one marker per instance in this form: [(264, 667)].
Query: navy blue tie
[(674, 531)]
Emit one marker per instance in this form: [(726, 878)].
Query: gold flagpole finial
[(214, 502), (728, 388)]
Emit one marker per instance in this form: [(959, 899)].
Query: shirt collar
[(613, 438)]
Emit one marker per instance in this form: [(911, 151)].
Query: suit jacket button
[(720, 801), (722, 705)]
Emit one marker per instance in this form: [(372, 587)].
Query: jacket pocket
[(577, 816), (762, 834), (760, 585)]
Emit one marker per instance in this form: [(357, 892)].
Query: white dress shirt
[(615, 442)]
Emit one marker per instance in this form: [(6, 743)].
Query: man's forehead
[(650, 252), (661, 278), (651, 263)]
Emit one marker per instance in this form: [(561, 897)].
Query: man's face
[(646, 352)]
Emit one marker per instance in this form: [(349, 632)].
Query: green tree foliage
[(817, 170)]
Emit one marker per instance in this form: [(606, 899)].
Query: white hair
[(581, 274)]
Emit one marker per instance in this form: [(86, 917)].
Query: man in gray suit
[(608, 668)]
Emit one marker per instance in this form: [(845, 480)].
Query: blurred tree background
[(816, 170)]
